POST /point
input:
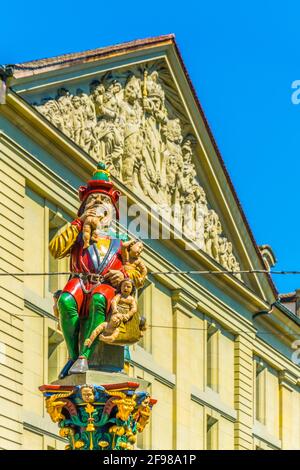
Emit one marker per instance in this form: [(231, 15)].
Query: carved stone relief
[(125, 121)]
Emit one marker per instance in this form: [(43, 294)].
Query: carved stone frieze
[(125, 121)]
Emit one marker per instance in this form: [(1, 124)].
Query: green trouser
[(70, 323)]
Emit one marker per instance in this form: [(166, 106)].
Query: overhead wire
[(233, 332), (206, 272), (216, 272)]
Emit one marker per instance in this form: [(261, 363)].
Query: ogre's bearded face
[(103, 206)]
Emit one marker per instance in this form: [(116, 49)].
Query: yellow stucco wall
[(176, 345)]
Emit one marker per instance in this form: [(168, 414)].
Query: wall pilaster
[(182, 315), (243, 397)]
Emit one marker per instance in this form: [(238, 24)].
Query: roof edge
[(42, 65)]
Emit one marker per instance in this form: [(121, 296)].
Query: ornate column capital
[(98, 417)]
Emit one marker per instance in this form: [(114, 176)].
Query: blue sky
[(242, 57)]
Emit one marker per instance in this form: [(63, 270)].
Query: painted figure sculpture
[(98, 268), (123, 308)]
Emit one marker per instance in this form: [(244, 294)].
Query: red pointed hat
[(99, 183)]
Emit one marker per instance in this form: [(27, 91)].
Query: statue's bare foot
[(80, 366)]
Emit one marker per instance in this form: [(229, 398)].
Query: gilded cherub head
[(88, 394)]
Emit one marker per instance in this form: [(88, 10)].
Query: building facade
[(218, 349)]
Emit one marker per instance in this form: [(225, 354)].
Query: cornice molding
[(43, 432), (288, 379), (212, 400), (145, 361), (261, 432), (183, 301), (39, 311)]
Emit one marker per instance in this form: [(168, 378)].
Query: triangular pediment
[(134, 114)]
